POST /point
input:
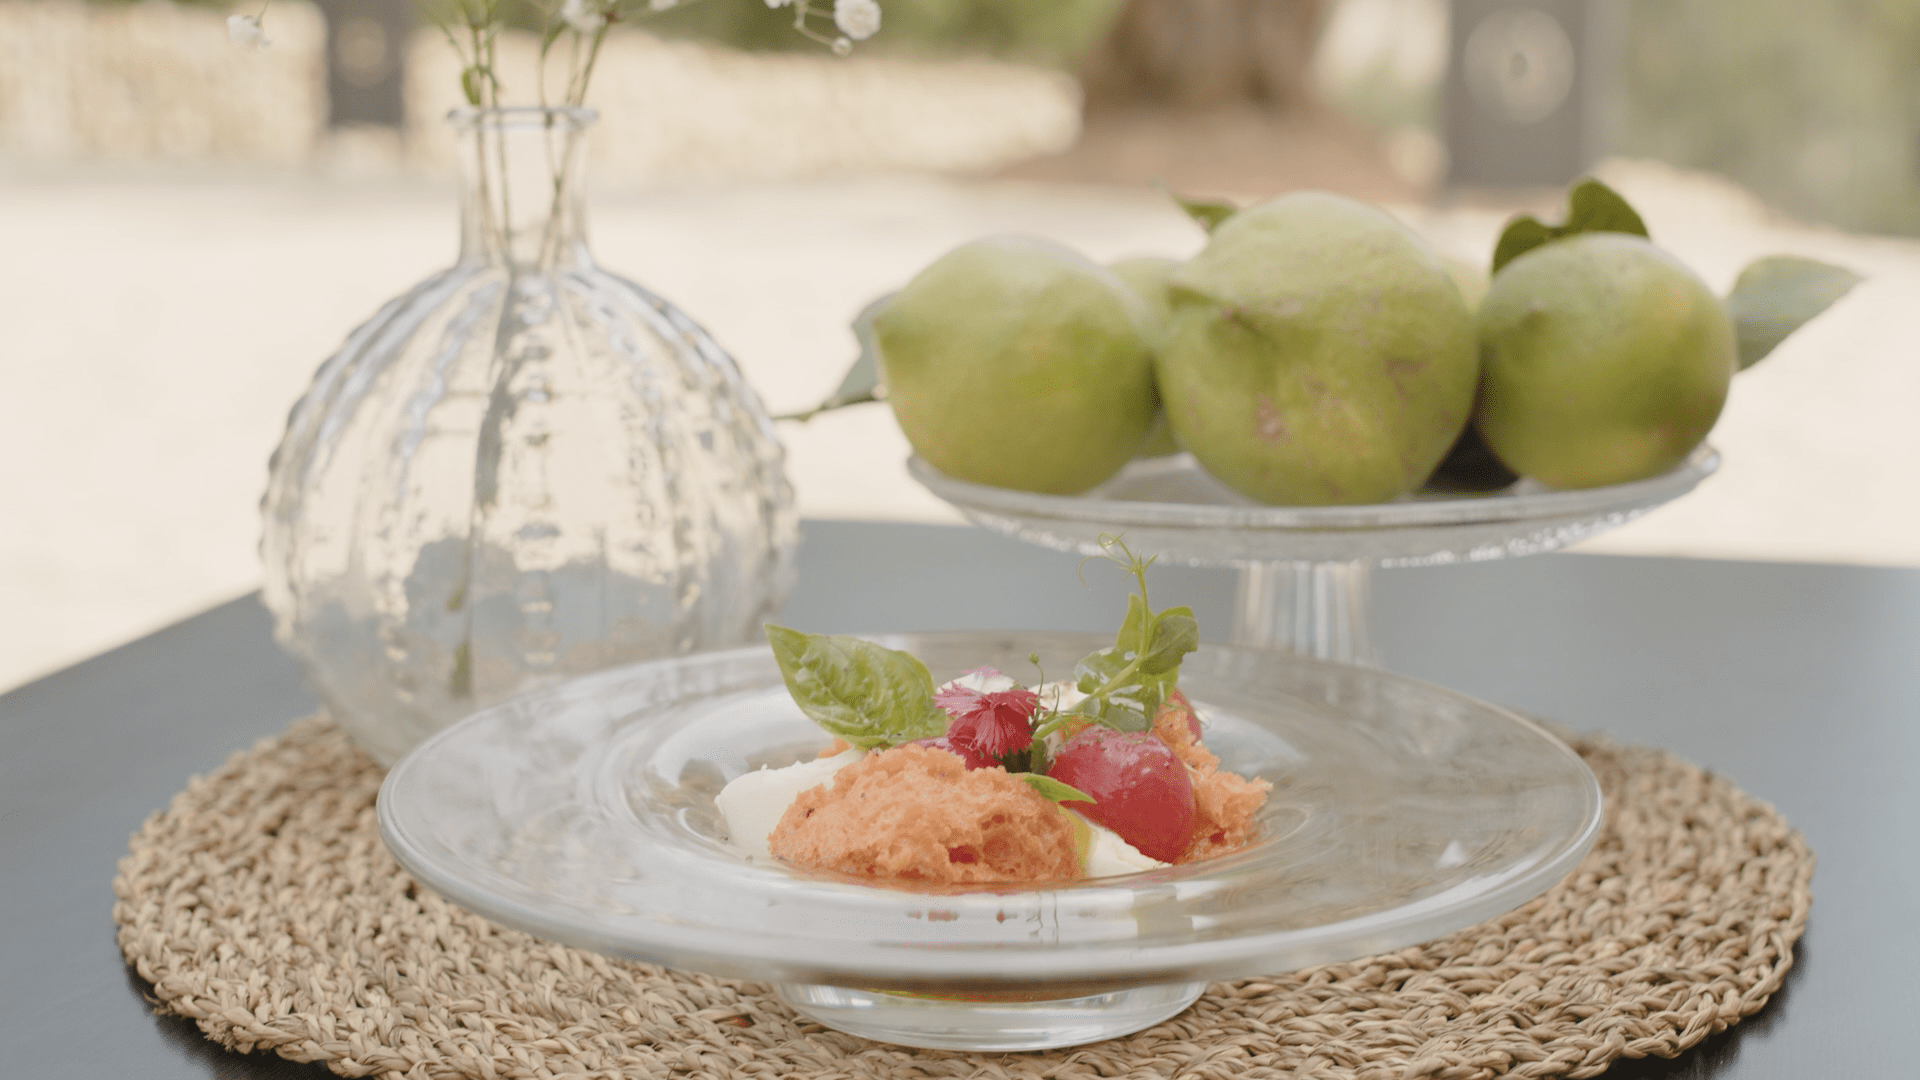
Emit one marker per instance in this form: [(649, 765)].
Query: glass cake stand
[(584, 813), (1305, 571)]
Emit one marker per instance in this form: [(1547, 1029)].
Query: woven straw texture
[(263, 905)]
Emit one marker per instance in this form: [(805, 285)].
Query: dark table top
[(1801, 683)]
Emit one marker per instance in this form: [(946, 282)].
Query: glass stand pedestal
[(1315, 609)]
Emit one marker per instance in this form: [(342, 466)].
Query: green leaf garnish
[(1054, 790), (1125, 704), (1172, 634), (867, 694), (1777, 295), (1039, 760), (1591, 207), (861, 383), (1127, 683)]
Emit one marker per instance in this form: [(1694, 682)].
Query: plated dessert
[(584, 814), (985, 780)]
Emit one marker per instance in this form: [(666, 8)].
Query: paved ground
[(159, 325)]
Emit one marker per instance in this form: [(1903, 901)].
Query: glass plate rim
[(1104, 962), (1545, 505)]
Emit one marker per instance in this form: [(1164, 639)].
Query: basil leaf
[(1591, 207), (867, 694), (1054, 790), (1776, 296)]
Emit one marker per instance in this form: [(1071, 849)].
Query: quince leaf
[(867, 694), (1591, 207), (861, 383), (1594, 207), (1777, 295), (1207, 212), (1522, 234)]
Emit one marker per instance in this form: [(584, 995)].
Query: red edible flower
[(994, 723), (962, 750)]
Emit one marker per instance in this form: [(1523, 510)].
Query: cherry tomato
[(1140, 788)]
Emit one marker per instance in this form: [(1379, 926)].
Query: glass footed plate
[(584, 814), (1171, 506)]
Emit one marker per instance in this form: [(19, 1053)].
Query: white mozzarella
[(1109, 856), (752, 803)]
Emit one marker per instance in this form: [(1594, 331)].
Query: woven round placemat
[(263, 905)]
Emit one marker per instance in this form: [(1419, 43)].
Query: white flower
[(584, 16), (661, 5), (778, 3), (246, 32), (858, 19), (842, 47)]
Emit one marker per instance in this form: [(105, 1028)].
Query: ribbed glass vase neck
[(522, 185)]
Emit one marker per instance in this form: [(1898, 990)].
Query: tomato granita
[(985, 781), (916, 813)]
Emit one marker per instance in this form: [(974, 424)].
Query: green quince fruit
[(1318, 352), (1604, 361), (1147, 276), (1017, 362), (1469, 277)]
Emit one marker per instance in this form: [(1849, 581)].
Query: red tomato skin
[(1140, 788)]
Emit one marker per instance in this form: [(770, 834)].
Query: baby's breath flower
[(778, 3), (842, 47), (858, 19), (585, 16), (246, 32), (661, 5)]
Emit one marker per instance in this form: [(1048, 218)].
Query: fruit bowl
[(584, 814), (1305, 569)]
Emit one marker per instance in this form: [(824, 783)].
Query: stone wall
[(687, 112), (157, 81)]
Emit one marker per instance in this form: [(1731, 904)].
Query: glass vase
[(525, 468)]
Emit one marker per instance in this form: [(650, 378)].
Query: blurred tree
[(1205, 53), (1049, 32), (1812, 104), (1217, 97)]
